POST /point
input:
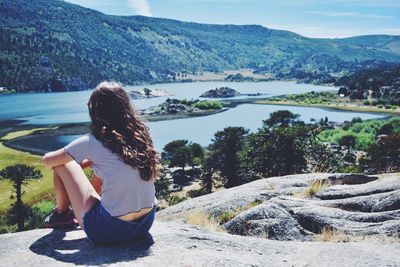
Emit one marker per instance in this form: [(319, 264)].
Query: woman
[(121, 153)]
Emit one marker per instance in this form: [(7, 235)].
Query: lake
[(70, 107)]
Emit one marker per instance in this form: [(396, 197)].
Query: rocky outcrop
[(170, 106), (193, 107), (178, 244), (240, 196), (353, 205), (222, 92)]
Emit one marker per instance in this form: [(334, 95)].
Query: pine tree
[(19, 175)]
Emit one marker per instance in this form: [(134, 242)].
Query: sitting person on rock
[(120, 151)]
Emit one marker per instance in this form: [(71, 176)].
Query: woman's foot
[(57, 219)]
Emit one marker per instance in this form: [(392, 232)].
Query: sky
[(311, 18)]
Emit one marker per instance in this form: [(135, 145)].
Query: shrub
[(4, 225), (315, 187), (350, 169), (39, 213), (365, 132), (175, 199), (162, 185), (356, 120), (254, 203), (208, 105), (197, 192), (384, 156), (187, 102), (232, 213), (227, 216), (348, 141)]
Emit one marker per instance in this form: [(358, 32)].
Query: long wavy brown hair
[(117, 126)]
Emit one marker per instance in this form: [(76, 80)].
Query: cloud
[(141, 6), (366, 3), (349, 14), (391, 31)]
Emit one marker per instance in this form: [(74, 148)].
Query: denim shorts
[(102, 228)]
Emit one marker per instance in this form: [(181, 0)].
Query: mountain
[(54, 45)]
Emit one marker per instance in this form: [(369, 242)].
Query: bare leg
[(80, 192), (62, 199)]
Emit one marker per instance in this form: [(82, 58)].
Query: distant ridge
[(54, 45)]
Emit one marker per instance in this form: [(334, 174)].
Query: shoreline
[(193, 80), (363, 109), (12, 125), (83, 128), (15, 126), (54, 130)]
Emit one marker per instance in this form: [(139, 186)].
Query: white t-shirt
[(123, 190)]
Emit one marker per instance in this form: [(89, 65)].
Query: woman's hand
[(86, 163)]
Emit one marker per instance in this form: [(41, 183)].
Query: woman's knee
[(67, 165), (70, 168)]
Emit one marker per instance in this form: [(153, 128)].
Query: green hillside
[(52, 45), (378, 86)]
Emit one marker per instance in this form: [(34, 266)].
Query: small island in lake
[(225, 92), (221, 92), (175, 106), (148, 93)]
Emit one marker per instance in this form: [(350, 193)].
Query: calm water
[(58, 108), (69, 107)]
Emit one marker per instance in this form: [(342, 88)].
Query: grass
[(228, 215), (329, 234), (326, 100), (17, 134), (175, 199), (316, 186), (394, 238), (36, 190), (365, 132), (202, 219), (332, 235), (212, 223), (313, 188), (209, 105), (337, 106)]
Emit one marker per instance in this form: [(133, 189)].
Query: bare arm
[(60, 157), (56, 158)]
